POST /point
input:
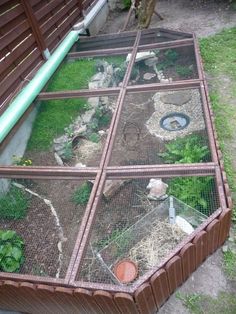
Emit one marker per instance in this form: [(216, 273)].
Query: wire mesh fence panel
[(164, 65), (105, 42), (69, 132), (140, 221), (89, 73), (39, 223), (161, 127), (152, 36)]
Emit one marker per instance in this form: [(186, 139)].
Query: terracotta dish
[(126, 270)]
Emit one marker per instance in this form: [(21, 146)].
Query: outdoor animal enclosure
[(129, 171)]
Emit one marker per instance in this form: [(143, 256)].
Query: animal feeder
[(111, 211)]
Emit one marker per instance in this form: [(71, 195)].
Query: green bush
[(194, 191), (94, 138), (183, 71), (11, 251), (127, 4), (14, 204), (81, 195), (171, 55), (190, 149), (67, 151)]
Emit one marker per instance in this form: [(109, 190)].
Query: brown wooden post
[(34, 26)]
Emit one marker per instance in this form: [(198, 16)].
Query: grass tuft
[(14, 204)]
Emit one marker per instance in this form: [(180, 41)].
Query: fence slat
[(85, 297), (174, 273), (188, 259), (125, 303), (160, 287), (200, 242), (105, 302), (225, 220), (213, 235), (145, 299)]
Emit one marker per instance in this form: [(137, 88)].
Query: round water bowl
[(174, 121), (126, 271)]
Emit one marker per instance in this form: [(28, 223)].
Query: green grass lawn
[(219, 57), (225, 303), (55, 115)]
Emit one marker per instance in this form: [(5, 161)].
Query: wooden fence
[(27, 28), (147, 299)]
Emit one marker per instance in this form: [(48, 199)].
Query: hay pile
[(153, 248)]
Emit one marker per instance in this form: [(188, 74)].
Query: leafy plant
[(171, 55), (194, 191), (127, 4), (20, 161), (103, 117), (14, 204), (94, 137), (81, 195), (189, 149), (67, 151), (183, 71), (11, 251)]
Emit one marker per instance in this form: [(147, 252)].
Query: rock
[(151, 61), (97, 77), (94, 85), (87, 116), (104, 100), (184, 225), (111, 187), (59, 147), (58, 159), (177, 98), (148, 76), (225, 248), (140, 56), (101, 132), (62, 139), (80, 130), (93, 102), (109, 70), (80, 165), (157, 189), (164, 81)]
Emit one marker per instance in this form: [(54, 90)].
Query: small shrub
[(68, 151), (102, 117), (127, 4), (81, 195), (11, 251), (20, 161), (95, 138), (194, 191), (189, 149), (14, 204), (171, 55), (183, 71)]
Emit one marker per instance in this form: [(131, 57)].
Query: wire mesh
[(152, 36), (164, 65), (47, 215), (161, 127), (69, 132), (133, 222), (92, 73)]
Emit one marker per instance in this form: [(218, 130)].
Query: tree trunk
[(145, 12)]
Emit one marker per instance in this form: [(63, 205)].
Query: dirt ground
[(204, 18)]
